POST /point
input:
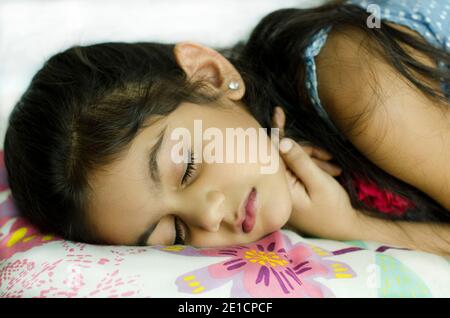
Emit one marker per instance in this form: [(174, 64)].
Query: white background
[(33, 30)]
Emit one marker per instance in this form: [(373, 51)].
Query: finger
[(321, 153), (298, 191), (302, 165), (294, 180), (322, 165), (329, 168), (278, 120), (317, 152), (308, 149)]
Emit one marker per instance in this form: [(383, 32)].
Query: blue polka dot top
[(430, 18)]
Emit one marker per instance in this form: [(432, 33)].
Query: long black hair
[(87, 103)]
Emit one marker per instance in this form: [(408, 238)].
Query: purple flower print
[(271, 267)]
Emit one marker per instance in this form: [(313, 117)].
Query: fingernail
[(285, 145)]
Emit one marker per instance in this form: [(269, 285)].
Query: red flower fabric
[(385, 201)]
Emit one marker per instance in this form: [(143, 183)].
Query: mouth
[(249, 212)]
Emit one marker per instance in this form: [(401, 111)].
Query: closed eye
[(179, 233), (190, 168)]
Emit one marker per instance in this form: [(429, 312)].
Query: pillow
[(282, 264)]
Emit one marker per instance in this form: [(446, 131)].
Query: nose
[(207, 212)]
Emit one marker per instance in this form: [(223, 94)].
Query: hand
[(321, 157), (318, 155), (320, 205)]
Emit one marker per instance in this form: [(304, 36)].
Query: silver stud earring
[(233, 85)]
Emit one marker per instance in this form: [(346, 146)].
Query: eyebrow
[(154, 172), (152, 160)]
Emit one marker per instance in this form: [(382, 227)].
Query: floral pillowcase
[(282, 264)]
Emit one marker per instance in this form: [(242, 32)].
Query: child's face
[(125, 203)]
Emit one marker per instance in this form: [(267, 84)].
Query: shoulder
[(387, 118), (352, 67)]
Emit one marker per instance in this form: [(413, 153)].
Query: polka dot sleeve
[(430, 18)]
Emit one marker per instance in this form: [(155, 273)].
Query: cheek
[(276, 204)]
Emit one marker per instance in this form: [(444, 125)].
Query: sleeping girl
[(357, 90)]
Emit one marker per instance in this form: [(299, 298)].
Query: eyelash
[(178, 233), (191, 166)]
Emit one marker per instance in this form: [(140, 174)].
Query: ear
[(200, 62), (279, 119)]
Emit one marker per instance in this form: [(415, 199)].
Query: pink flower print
[(271, 267), (11, 274)]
